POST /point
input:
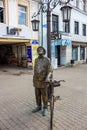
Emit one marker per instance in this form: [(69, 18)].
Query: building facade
[(79, 31), (72, 41), (17, 40)]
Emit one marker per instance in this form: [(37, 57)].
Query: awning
[(13, 41), (62, 42), (35, 42)]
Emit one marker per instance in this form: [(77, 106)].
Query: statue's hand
[(49, 77)]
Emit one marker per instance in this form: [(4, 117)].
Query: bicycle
[(52, 98)]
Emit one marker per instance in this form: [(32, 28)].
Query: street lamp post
[(46, 7), (48, 33)]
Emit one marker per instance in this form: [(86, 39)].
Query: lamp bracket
[(48, 5)]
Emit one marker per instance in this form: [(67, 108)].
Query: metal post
[(48, 33), (41, 28), (47, 7)]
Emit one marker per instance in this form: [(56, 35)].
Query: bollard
[(72, 62)]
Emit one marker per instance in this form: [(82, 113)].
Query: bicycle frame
[(52, 98), (51, 105)]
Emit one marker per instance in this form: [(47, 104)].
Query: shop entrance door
[(5, 53), (58, 55)]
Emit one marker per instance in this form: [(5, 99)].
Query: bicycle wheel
[(51, 112)]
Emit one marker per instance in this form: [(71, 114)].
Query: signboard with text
[(54, 35), (29, 54), (35, 45)]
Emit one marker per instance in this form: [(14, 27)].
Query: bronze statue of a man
[(42, 72)]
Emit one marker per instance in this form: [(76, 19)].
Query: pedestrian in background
[(42, 72)]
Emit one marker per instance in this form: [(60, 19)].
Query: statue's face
[(40, 51)]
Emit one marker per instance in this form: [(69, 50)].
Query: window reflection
[(21, 15), (82, 53), (75, 53)]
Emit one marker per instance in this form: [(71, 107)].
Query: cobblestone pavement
[(17, 100)]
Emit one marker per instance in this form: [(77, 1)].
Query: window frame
[(76, 27), (77, 3), (55, 23), (75, 54), (3, 9), (84, 29), (84, 5), (82, 57), (19, 11), (67, 27)]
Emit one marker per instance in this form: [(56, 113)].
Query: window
[(21, 15), (82, 53), (77, 3), (1, 11), (76, 27), (84, 29), (75, 53), (54, 23), (84, 5), (67, 27)]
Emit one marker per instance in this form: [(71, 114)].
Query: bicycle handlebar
[(54, 83)]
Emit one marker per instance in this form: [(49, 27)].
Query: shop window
[(1, 11), (54, 23), (84, 29), (76, 27), (75, 53), (21, 15), (82, 53)]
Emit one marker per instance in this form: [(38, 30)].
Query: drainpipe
[(41, 28)]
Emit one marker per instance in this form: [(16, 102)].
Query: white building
[(79, 30), (18, 43), (17, 40), (73, 42)]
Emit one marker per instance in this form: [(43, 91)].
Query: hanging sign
[(35, 42), (29, 54)]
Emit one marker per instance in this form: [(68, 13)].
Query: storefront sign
[(29, 54), (54, 35), (34, 52), (44, 25), (13, 31), (62, 42), (35, 42)]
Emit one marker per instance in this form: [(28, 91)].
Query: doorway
[(5, 53), (58, 55)]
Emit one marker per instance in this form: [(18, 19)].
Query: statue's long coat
[(41, 69)]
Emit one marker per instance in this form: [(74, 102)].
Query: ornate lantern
[(35, 25), (66, 13)]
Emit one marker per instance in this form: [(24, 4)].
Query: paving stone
[(17, 100)]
